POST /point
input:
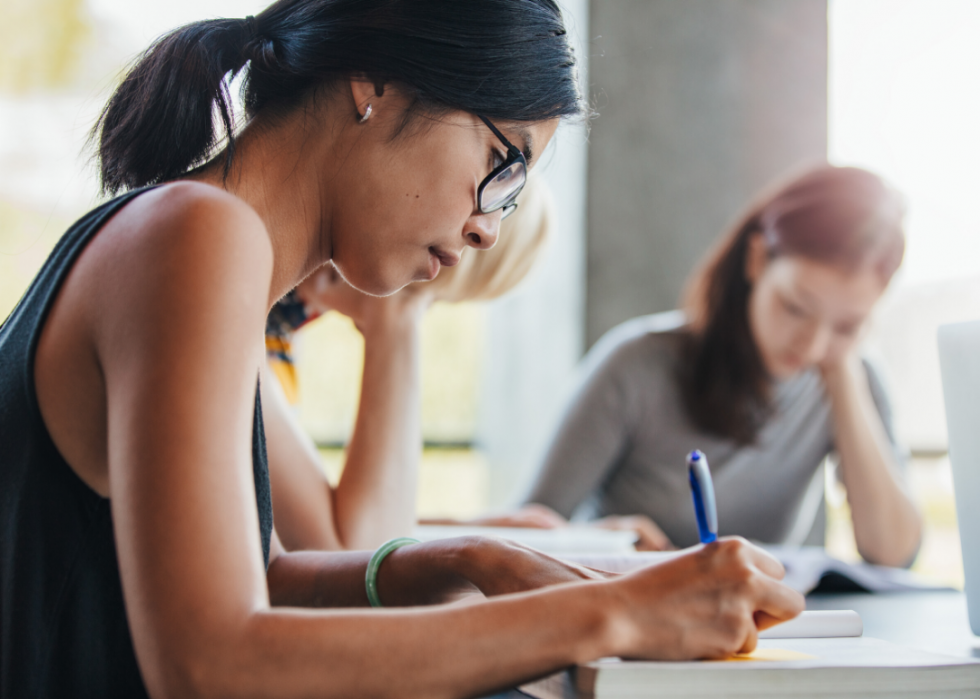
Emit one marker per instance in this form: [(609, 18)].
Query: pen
[(703, 492)]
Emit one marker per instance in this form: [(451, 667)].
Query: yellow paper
[(770, 654)]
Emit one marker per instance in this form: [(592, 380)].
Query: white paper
[(834, 623)]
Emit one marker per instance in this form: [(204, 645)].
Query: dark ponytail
[(504, 59), (160, 121)]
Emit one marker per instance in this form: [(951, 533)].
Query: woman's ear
[(756, 258), (364, 92)]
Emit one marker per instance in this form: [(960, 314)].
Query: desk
[(931, 621)]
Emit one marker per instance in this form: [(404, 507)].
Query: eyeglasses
[(500, 188)]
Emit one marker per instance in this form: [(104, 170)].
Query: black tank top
[(63, 627)]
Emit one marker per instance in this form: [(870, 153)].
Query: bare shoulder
[(186, 250), (179, 200), (186, 233), (192, 213), (178, 279)]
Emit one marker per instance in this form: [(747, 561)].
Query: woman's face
[(804, 313), (411, 208)]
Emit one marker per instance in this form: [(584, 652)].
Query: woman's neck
[(275, 172)]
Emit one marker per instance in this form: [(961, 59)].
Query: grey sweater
[(622, 444)]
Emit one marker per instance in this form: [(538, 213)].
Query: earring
[(367, 114)]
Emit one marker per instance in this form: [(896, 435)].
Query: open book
[(571, 540), (808, 568), (821, 667)]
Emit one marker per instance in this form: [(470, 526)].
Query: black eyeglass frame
[(514, 155)]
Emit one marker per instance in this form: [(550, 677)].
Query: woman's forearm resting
[(666, 611), (887, 525)]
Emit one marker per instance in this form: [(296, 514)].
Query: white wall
[(535, 335)]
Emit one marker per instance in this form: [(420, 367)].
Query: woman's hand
[(839, 370), (650, 537), (708, 603), (448, 569), (500, 567), (326, 290)]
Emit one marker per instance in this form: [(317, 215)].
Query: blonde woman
[(375, 497)]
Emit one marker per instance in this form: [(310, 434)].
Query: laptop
[(959, 360)]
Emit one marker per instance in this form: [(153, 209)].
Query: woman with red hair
[(761, 372)]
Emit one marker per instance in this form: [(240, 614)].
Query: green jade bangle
[(371, 576)]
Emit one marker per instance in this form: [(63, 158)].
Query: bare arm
[(376, 495), (887, 526), (302, 498), (375, 498), (433, 572)]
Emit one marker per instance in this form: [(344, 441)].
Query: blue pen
[(703, 492)]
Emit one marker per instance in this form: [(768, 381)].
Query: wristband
[(371, 576)]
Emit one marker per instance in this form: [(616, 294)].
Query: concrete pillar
[(701, 103)]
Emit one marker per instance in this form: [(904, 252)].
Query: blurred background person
[(763, 375)]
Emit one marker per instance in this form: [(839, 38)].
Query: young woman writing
[(764, 377), (137, 550)]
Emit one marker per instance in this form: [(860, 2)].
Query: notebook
[(571, 540), (808, 569), (808, 668)]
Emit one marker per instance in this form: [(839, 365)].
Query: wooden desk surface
[(931, 621)]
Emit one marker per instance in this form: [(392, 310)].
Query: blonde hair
[(483, 275)]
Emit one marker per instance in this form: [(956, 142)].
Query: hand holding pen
[(711, 601), (808, 624)]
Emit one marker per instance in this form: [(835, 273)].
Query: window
[(904, 103)]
